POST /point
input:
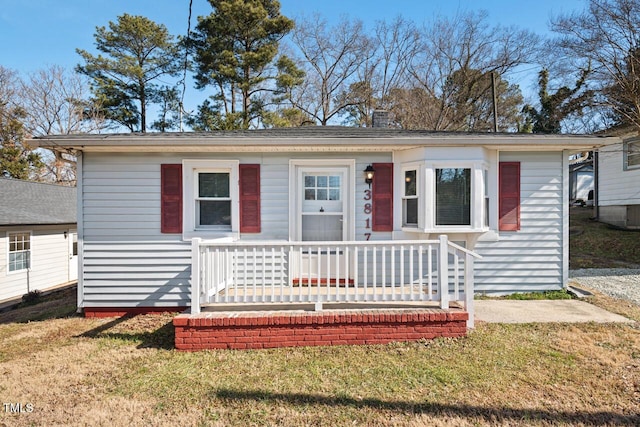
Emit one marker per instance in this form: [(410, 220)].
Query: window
[(410, 199), (212, 203), (19, 251), (453, 196), (632, 155), (213, 200), (322, 187)]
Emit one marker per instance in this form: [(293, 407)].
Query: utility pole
[(495, 102)]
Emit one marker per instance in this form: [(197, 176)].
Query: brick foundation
[(257, 330), (128, 311)]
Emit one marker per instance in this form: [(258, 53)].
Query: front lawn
[(125, 372), (593, 244)]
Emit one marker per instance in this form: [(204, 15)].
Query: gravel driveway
[(621, 283)]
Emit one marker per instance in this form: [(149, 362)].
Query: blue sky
[(38, 33)]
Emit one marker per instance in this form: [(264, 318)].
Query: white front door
[(323, 197), (73, 255)]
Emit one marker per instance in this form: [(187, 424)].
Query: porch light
[(368, 175)]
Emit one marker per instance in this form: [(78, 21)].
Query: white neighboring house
[(38, 238), (581, 183), (618, 182), (260, 199)]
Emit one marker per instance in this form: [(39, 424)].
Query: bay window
[(410, 199), (444, 197)]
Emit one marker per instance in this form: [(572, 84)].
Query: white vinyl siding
[(136, 273), (530, 259), (128, 262), (616, 186), (49, 261)]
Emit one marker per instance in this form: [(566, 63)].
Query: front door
[(323, 216), (73, 255)]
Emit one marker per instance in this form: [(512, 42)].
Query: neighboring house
[(581, 182), (320, 216), (38, 239), (618, 182)]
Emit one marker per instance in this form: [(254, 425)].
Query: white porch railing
[(332, 272)]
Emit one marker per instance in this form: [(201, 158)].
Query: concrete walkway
[(533, 311)]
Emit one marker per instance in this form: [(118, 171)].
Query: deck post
[(469, 288), (195, 275), (443, 271)]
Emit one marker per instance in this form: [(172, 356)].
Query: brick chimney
[(380, 119)]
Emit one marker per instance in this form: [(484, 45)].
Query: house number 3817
[(367, 210)]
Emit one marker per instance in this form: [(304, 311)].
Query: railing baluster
[(456, 282), (347, 270), (401, 284), (336, 292), (264, 277), (318, 285), (411, 255), (356, 285), (420, 274), (430, 271), (374, 261), (365, 272)]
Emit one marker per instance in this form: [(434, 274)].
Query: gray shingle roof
[(313, 138), (34, 203)]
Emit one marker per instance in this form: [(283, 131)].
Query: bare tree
[(54, 101), (465, 49), (395, 43), (332, 57), (606, 36)]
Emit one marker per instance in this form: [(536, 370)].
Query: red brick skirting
[(127, 311), (256, 330)]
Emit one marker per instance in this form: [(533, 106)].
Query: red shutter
[(382, 193), (171, 198), (249, 198), (509, 196)]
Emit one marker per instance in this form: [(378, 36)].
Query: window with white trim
[(444, 196), (210, 198), (213, 201), (19, 251), (410, 199), (632, 155), (453, 196)]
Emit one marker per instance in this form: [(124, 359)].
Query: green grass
[(546, 295), (125, 372)]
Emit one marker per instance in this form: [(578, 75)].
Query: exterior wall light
[(368, 175)]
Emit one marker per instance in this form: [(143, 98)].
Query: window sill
[(445, 230), (210, 235)]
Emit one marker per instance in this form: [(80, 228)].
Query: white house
[(581, 182), (618, 182), (38, 239), (267, 215)]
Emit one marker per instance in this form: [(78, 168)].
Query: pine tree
[(137, 52), (234, 47)]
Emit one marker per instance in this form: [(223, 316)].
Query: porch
[(272, 294)]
